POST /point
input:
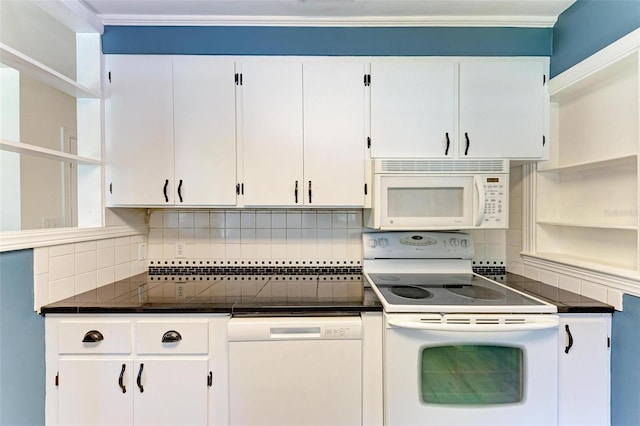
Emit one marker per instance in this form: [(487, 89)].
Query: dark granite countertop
[(234, 294), (272, 295), (566, 301)]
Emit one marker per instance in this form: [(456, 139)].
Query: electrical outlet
[(143, 295), (180, 250), (181, 291), (142, 251)]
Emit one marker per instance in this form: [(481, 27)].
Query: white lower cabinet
[(171, 391), (584, 370), (136, 371), (89, 392)]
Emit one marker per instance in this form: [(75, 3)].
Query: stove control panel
[(417, 245)]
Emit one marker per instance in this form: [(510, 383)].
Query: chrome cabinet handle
[(120, 379), (139, 379), (171, 336), (92, 336), (570, 345)]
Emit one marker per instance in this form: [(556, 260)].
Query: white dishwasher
[(295, 371)]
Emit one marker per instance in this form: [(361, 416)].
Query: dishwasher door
[(295, 371)]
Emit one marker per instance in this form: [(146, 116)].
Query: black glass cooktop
[(448, 292)]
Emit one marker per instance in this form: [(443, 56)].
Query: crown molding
[(73, 14), (599, 61), (302, 21)]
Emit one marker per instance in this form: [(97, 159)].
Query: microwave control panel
[(496, 201)]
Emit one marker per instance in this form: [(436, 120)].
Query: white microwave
[(439, 195)]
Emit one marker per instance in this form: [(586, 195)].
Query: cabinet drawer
[(99, 337), (172, 337)]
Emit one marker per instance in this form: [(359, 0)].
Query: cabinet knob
[(171, 336), (92, 336)]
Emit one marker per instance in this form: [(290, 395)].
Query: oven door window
[(472, 375)]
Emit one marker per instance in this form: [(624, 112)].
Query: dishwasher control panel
[(294, 328)]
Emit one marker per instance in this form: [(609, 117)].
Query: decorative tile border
[(262, 267), (276, 267)]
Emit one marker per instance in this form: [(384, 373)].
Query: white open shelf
[(587, 225), (50, 154), (590, 165), (43, 73), (587, 198)]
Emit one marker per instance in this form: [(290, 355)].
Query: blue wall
[(437, 41), (588, 26), (22, 377), (625, 364)]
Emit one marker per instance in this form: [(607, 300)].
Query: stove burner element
[(475, 292), (389, 277), (411, 292)]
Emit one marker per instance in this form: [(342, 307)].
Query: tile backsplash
[(66, 270), (282, 235), (255, 235)]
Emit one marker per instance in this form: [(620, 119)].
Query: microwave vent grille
[(442, 166)]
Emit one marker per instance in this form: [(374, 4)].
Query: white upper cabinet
[(139, 130), (303, 143), (171, 131), (413, 108), (502, 109), (204, 96), (475, 108), (272, 133), (334, 133)]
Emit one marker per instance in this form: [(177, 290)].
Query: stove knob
[(383, 242), (453, 242), (373, 243), (464, 243)]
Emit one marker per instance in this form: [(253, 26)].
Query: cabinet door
[(413, 109), (584, 376), (334, 134), (205, 131), (501, 109), (90, 392), (171, 392), (139, 130), (272, 133)]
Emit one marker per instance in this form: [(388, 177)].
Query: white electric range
[(459, 349)]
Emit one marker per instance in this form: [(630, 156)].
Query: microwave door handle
[(481, 200)]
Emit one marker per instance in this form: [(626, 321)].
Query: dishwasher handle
[(295, 333)]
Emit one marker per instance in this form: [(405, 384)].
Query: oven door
[(460, 369)]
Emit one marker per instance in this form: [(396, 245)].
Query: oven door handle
[(419, 325)]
